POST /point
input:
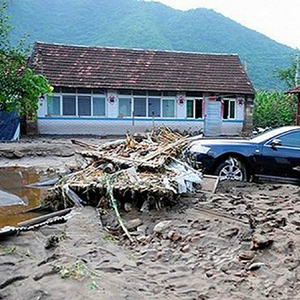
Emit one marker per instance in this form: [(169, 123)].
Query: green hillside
[(149, 25)]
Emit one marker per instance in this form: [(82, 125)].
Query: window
[(190, 108), (199, 108), (154, 107), (84, 105), (228, 109), (53, 105), (168, 108), (194, 108), (77, 105), (69, 105), (290, 140), (139, 107), (125, 107), (99, 106)]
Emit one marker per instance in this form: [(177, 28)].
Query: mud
[(241, 242)]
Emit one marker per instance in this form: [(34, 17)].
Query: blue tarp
[(9, 126)]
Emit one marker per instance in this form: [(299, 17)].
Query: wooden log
[(84, 145), (44, 218)]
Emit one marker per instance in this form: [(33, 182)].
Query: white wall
[(113, 125)]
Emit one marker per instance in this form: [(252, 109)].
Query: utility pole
[(297, 70)]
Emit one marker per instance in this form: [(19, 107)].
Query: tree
[(274, 109), (20, 88), (291, 74)]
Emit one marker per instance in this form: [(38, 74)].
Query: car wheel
[(231, 169)]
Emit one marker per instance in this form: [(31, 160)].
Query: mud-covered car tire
[(231, 169)]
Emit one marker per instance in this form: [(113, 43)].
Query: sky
[(277, 19)]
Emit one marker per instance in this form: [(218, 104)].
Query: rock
[(260, 242), (161, 226), (8, 154), (295, 222), (142, 229), (229, 233), (209, 273), (141, 238), (18, 154), (185, 249), (255, 266), (132, 224), (173, 236), (195, 239), (128, 206), (197, 233), (247, 255)]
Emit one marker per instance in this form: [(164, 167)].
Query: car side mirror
[(276, 142)]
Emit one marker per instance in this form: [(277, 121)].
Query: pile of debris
[(142, 171)]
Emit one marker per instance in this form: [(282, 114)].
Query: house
[(112, 91), (296, 91)]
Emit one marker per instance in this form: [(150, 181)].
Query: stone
[(133, 224), (18, 154), (128, 206), (173, 236), (255, 266), (185, 249), (260, 242), (162, 226), (247, 255)]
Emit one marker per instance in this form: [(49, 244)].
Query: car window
[(290, 140), (264, 136), (273, 133)]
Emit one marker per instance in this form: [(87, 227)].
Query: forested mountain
[(149, 25)]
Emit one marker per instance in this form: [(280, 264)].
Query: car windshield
[(270, 134)]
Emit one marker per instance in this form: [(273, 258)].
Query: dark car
[(274, 154)]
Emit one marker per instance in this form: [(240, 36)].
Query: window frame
[(194, 108), (148, 96), (77, 95), (163, 115), (231, 103)]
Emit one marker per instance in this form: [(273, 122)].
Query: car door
[(280, 156)]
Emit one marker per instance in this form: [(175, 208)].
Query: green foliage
[(273, 109), (7, 250), (20, 88), (291, 74), (149, 25), (78, 271)]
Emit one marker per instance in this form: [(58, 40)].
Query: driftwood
[(44, 218), (142, 170)]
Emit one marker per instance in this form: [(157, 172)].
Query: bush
[(274, 109)]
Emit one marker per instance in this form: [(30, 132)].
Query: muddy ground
[(241, 242)]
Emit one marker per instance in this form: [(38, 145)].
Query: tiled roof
[(116, 68), (294, 90)]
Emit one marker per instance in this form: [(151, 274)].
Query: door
[(282, 159), (212, 119)]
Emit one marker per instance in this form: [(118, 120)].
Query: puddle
[(13, 180)]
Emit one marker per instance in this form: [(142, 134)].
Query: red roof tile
[(116, 68)]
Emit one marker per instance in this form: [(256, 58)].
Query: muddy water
[(13, 180)]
